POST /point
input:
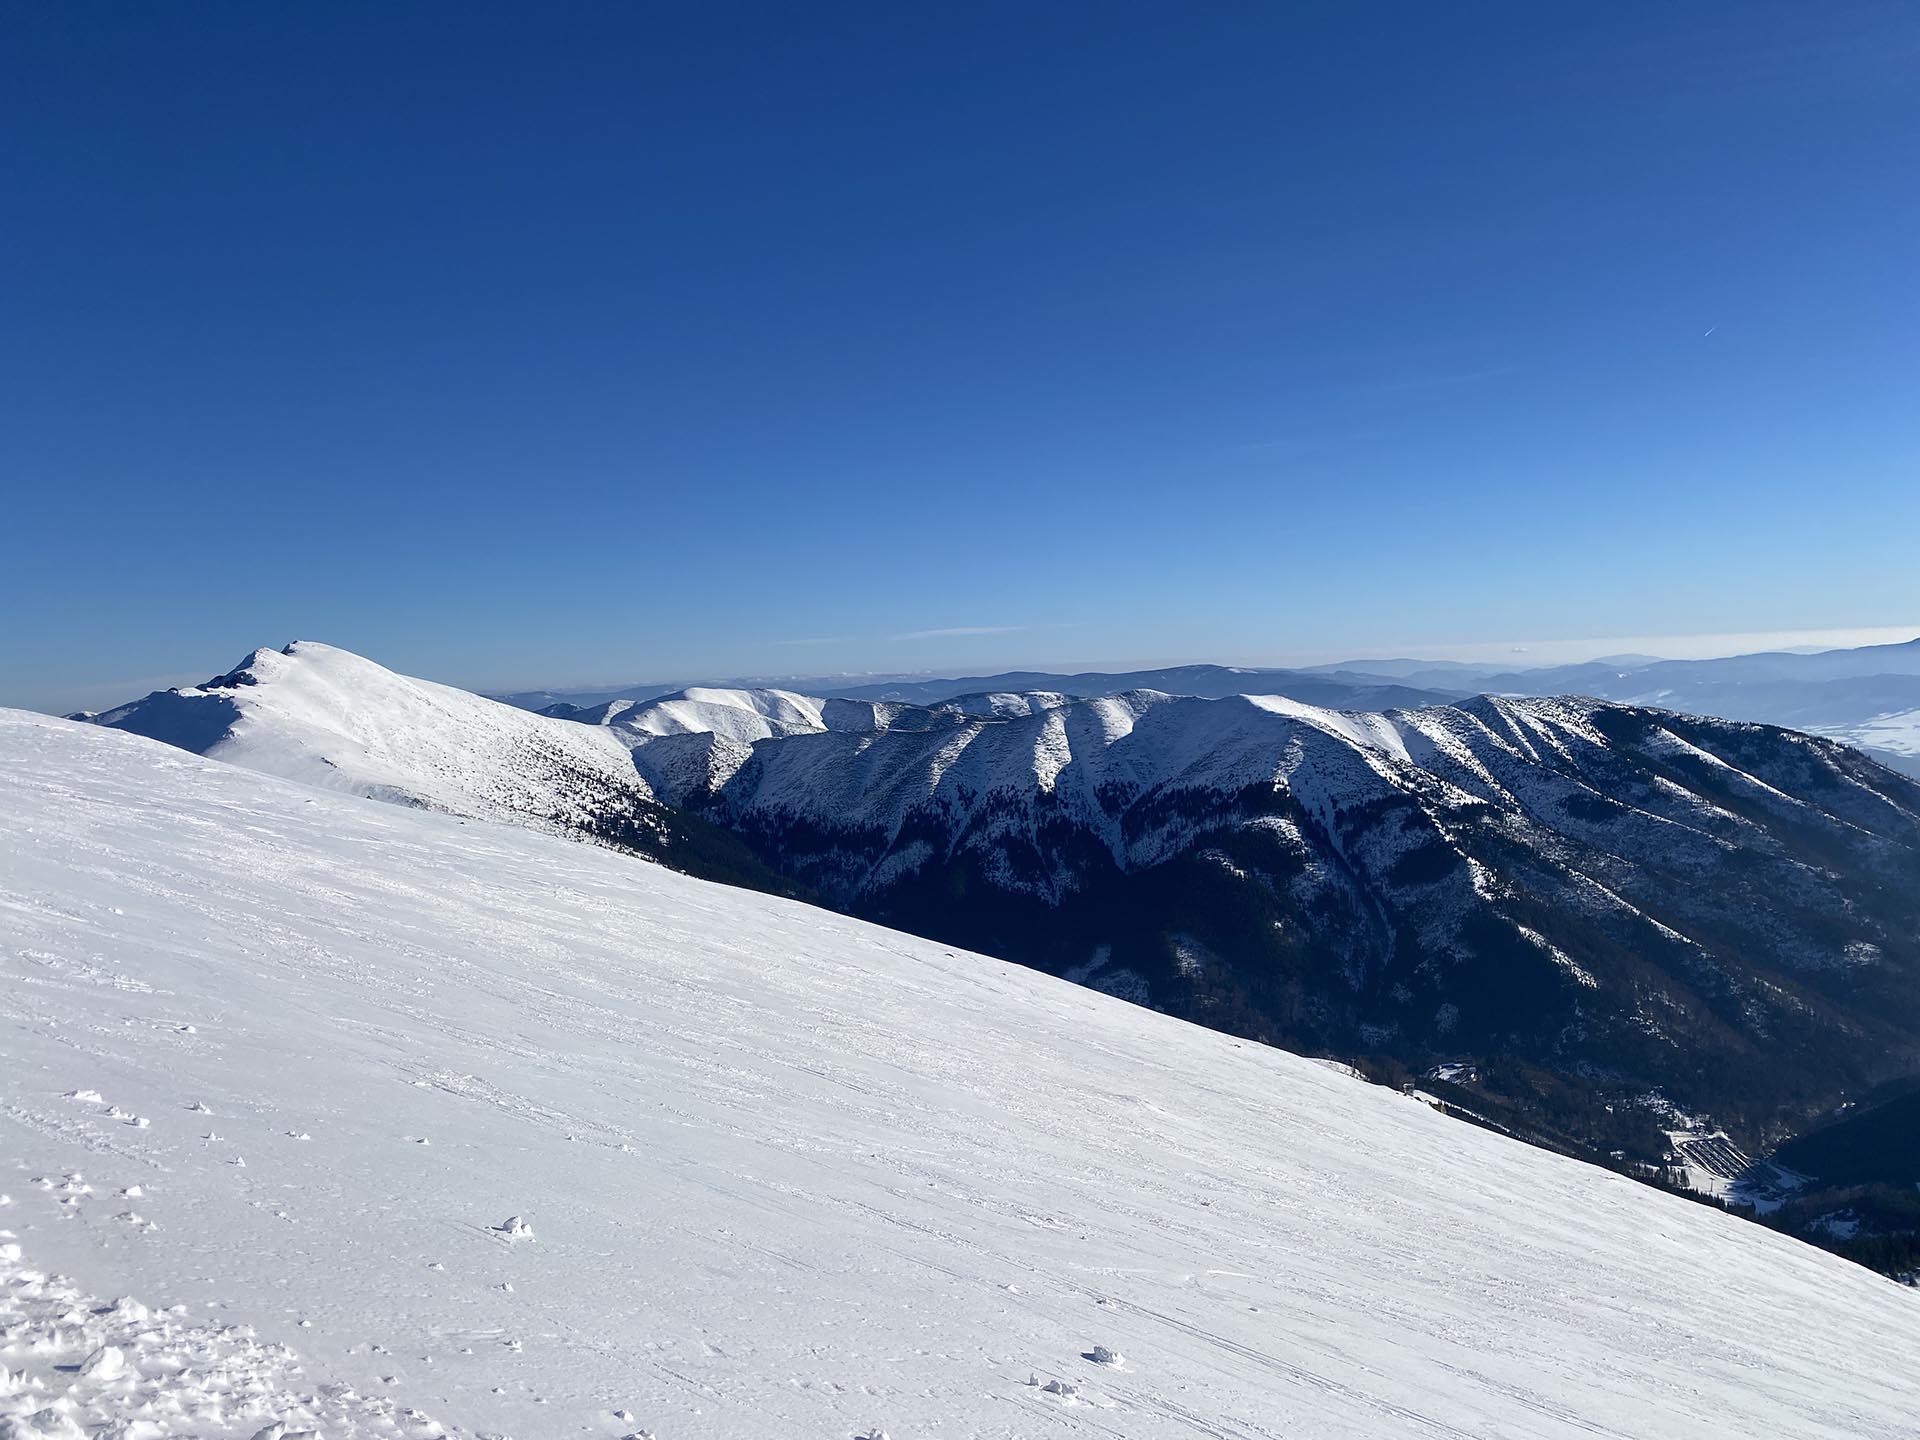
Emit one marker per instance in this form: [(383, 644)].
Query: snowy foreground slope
[(786, 1174)]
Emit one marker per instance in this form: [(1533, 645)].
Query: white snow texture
[(705, 1164)]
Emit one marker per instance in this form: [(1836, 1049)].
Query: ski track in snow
[(776, 1173)]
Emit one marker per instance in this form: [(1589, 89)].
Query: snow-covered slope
[(746, 716), (328, 717), (290, 1063), (737, 714), (1005, 705), (1142, 774)]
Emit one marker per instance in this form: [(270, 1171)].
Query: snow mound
[(89, 1368)]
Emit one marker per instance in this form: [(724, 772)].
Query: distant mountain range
[(1868, 696), (1569, 918), (1212, 682), (1335, 691)]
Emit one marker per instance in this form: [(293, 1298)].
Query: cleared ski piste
[(290, 1061)]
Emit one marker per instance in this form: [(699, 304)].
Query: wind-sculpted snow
[(90, 1366), (431, 1127)]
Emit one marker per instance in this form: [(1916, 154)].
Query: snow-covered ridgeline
[(326, 717)]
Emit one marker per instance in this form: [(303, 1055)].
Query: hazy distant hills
[(1868, 696), (1209, 682), (1335, 691), (1865, 660)]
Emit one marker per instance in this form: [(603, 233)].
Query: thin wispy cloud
[(951, 632)]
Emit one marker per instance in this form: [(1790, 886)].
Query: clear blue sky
[(545, 344)]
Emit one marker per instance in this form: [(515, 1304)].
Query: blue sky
[(522, 344)]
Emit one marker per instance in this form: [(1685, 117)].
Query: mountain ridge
[(1607, 900), (329, 718), (1868, 696)]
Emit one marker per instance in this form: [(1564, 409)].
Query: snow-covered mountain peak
[(745, 715), (328, 717), (1375, 733), (1005, 704)]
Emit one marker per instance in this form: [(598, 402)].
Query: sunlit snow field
[(289, 1059)]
